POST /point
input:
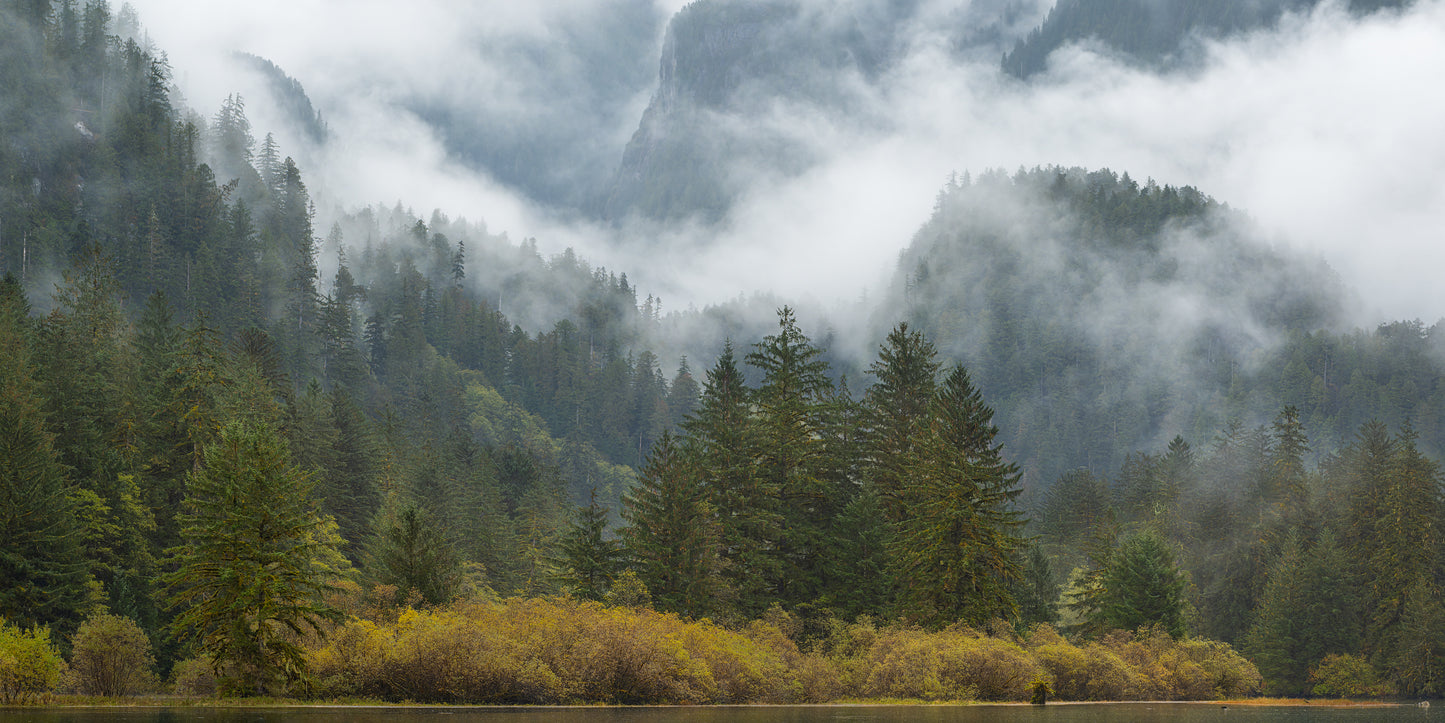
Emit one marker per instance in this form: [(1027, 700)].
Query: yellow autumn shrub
[(1087, 672), (1185, 669), (554, 651), (953, 664), (30, 666)]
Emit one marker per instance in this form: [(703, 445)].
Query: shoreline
[(275, 703)]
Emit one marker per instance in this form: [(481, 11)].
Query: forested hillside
[(152, 303), (270, 446), (1103, 316)]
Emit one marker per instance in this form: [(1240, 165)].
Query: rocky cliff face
[(725, 63)]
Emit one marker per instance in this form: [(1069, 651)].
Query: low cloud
[(1326, 130)]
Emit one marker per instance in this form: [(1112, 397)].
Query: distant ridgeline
[(1153, 32), (290, 96), (1101, 316), (738, 57)]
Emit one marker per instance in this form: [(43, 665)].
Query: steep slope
[(1153, 32), (1102, 316), (724, 66)]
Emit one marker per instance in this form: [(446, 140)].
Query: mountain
[(550, 121), (725, 64), (1160, 33), (290, 97), (1103, 316)]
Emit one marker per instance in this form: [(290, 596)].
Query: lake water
[(1053, 713)]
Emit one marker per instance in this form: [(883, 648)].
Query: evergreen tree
[(1143, 586), (1407, 545), (86, 344), (590, 560), (1037, 592), (862, 565), (1275, 636), (1416, 658), (790, 404), (671, 533), (682, 396), (959, 543), (246, 579), (897, 411), (410, 552), (723, 439), (42, 573)]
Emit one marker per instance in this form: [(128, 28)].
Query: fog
[(1326, 131)]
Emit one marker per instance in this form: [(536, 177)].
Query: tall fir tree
[(897, 411), (246, 580), (724, 440), (790, 405), (43, 579), (589, 558), (959, 544), (671, 533)]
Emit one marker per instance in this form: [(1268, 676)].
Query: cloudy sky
[(1327, 131)]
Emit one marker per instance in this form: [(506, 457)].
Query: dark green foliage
[(42, 571), (1416, 656), (1037, 590), (590, 560), (897, 408), (1274, 640), (245, 579), (792, 461), (725, 439), (861, 569), (958, 543), (411, 553), (672, 534), (1143, 586)]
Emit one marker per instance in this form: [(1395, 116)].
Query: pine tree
[(671, 533), (792, 458), (682, 396), (723, 440), (897, 410), (1407, 544), (861, 566), (1143, 586), (1287, 485), (589, 559), (959, 543), (246, 578), (1274, 640), (42, 573), (86, 344), (1037, 592), (412, 553)]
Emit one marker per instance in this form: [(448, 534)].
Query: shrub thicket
[(110, 656), (569, 651), (194, 678), (555, 651), (1090, 672), (1348, 676), (30, 666)]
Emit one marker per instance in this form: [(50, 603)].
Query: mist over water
[(1324, 130)]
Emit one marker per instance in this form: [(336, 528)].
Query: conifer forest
[(1085, 435)]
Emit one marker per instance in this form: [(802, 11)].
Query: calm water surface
[(1061, 713)]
